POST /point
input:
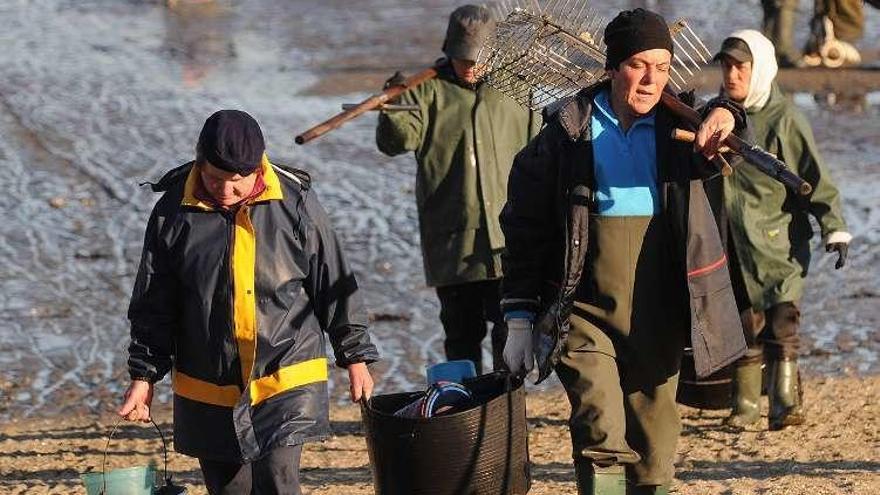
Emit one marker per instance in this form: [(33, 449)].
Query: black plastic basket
[(712, 392), (480, 451)]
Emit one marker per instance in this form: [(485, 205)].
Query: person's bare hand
[(137, 402), (713, 131), (360, 382)]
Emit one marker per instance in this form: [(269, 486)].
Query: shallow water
[(99, 95)]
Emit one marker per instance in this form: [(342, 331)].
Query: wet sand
[(836, 452)]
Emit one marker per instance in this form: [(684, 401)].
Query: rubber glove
[(518, 354)]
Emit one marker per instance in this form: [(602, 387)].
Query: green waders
[(620, 363)]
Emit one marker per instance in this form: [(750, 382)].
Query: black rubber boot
[(785, 394), (746, 406), (596, 480)]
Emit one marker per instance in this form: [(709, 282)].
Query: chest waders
[(619, 365)]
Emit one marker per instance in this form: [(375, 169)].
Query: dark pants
[(465, 309), (275, 474), (773, 332)]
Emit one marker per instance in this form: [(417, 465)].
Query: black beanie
[(232, 140), (634, 31)]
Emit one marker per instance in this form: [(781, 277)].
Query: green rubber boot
[(648, 490), (596, 480), (746, 407), (786, 396)]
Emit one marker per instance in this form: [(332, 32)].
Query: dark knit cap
[(469, 27), (232, 140), (634, 31)]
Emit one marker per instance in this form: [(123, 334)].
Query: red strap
[(708, 268)]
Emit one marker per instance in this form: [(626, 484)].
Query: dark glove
[(842, 249), (396, 80), (838, 241), (739, 113)]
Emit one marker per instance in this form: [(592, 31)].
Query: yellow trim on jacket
[(202, 391), (261, 389), (287, 378)]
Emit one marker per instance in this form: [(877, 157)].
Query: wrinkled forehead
[(654, 56)]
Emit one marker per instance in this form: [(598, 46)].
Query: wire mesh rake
[(544, 51)]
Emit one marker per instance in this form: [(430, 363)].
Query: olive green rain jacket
[(769, 225), (464, 141)]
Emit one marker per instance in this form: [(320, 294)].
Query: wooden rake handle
[(370, 103), (690, 137), (764, 161)]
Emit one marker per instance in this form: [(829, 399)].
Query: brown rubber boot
[(746, 407), (786, 396)]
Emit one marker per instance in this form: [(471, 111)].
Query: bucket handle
[(107, 447)]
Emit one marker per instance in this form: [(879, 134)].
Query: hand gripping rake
[(544, 51)]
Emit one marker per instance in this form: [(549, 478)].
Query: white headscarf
[(764, 67)]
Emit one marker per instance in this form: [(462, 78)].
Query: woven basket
[(712, 392), (480, 451)]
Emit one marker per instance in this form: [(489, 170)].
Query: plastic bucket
[(137, 480), (451, 371), (711, 392), (480, 451)]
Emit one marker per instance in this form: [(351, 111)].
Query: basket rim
[(373, 411)]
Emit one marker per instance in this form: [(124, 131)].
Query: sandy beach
[(836, 452)]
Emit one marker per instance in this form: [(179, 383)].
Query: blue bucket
[(451, 371), (138, 480)]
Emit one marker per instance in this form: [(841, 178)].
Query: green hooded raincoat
[(464, 141), (770, 226)]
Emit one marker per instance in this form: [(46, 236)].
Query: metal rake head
[(691, 55), (540, 54), (544, 51)]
